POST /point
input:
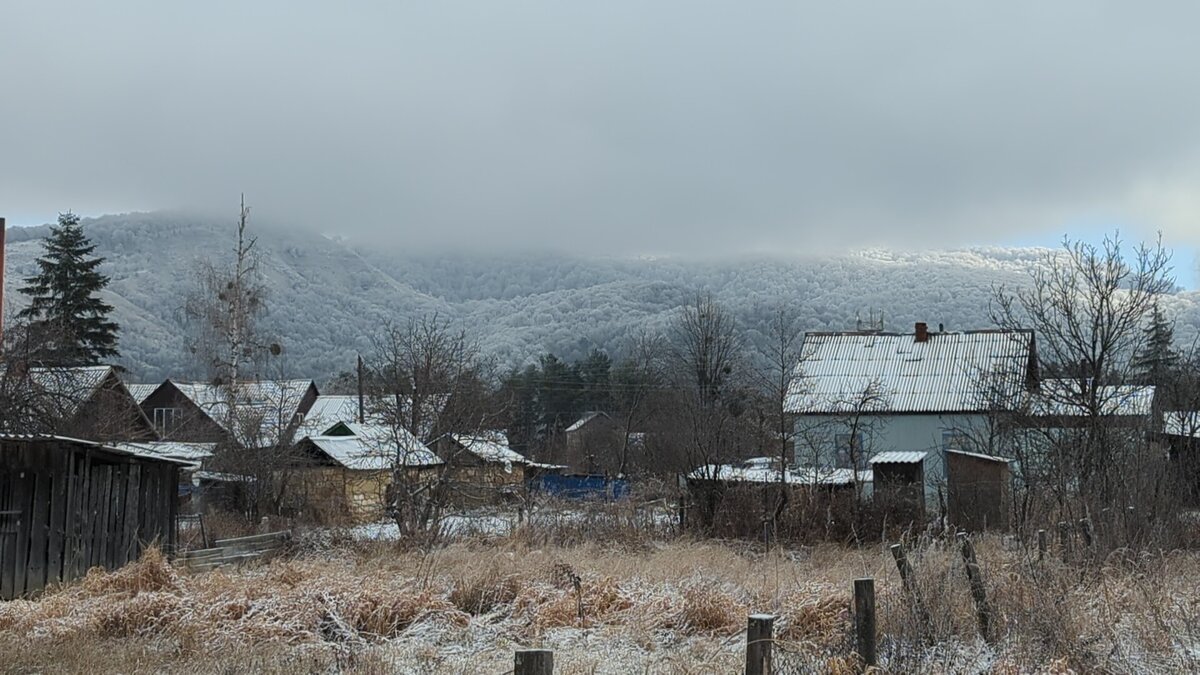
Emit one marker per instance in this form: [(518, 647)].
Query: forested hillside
[(327, 295)]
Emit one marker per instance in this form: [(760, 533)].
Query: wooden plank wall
[(65, 508)]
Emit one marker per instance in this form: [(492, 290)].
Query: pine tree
[(1156, 360), (69, 323)]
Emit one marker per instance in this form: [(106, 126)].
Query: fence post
[(1064, 540), (1085, 529), (983, 611), (1043, 545), (864, 619), (906, 573), (759, 635), (533, 662)]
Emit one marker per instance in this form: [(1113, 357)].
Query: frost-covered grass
[(650, 606)]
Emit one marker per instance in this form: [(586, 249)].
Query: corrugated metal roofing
[(490, 447), (950, 372), (328, 410), (188, 452), (976, 455), (271, 405), (128, 452), (71, 387), (899, 457), (360, 454), (141, 392), (588, 417), (1182, 423)]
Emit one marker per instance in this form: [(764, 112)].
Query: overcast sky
[(638, 126)]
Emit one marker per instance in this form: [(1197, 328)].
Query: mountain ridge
[(328, 294)]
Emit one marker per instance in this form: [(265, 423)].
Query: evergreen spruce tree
[(68, 322), (1156, 360)]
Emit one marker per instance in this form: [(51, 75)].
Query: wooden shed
[(67, 505), (979, 488)]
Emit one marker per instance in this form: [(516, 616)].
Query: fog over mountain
[(327, 295)]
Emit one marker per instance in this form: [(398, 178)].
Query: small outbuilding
[(67, 505)]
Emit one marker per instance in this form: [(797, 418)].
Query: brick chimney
[(922, 330)]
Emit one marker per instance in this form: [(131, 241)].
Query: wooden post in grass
[(1043, 544), (759, 635), (1085, 530), (864, 619), (533, 662), (983, 611), (1064, 540), (906, 578)]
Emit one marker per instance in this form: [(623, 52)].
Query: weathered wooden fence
[(231, 551), (67, 506)]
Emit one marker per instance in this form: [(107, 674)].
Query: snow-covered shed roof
[(899, 457), (976, 455), (193, 453), (587, 417), (490, 447), (947, 372)]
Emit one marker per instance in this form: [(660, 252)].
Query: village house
[(482, 468), (592, 443), (921, 405), (249, 415), (89, 402), (345, 472)]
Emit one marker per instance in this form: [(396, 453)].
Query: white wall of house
[(816, 440)]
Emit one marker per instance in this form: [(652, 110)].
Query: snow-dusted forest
[(327, 294)]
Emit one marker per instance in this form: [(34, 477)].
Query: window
[(955, 439), (849, 450), (165, 419)]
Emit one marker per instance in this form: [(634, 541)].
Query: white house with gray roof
[(904, 397)]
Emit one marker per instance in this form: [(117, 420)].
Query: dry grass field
[(645, 607)]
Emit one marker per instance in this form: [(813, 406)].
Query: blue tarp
[(582, 486)]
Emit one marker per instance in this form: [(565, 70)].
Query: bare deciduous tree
[(1088, 305), (705, 367)]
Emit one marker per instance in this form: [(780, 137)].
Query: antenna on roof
[(872, 325)]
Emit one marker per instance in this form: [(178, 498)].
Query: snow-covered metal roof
[(141, 392), (490, 447), (354, 452), (193, 453), (328, 410), (1064, 398), (70, 387), (372, 447), (948, 372), (111, 448), (976, 455), (587, 417), (899, 457), (1184, 423), (265, 408)]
